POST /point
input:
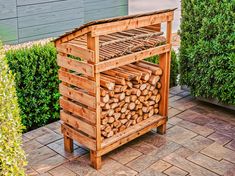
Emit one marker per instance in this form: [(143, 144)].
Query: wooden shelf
[(131, 133), (130, 58)]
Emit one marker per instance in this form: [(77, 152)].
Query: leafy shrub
[(174, 67), (12, 157), (36, 76), (207, 58)]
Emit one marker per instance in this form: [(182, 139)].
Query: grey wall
[(26, 20)]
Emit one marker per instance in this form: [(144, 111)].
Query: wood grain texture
[(78, 124), (81, 138), (75, 65), (78, 81), (76, 50), (78, 110), (77, 95)]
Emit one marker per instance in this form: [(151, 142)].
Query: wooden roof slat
[(110, 25)]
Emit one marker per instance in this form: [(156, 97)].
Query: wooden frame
[(80, 87)]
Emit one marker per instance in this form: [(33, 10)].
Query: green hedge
[(12, 157), (207, 57), (36, 76), (174, 67)]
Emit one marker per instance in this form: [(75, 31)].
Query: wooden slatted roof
[(98, 23)]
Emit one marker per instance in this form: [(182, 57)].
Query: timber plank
[(77, 95), (78, 124), (127, 59), (78, 110), (78, 81), (76, 50), (81, 138), (75, 65), (118, 26)]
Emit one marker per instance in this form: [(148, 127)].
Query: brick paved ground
[(200, 141)]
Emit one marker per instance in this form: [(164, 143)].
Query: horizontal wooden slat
[(75, 65), (127, 59), (78, 110), (78, 124), (78, 81), (81, 138), (77, 95), (130, 134), (118, 26), (77, 51)]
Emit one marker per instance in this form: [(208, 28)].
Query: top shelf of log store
[(111, 43)]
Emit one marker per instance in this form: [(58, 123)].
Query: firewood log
[(120, 96), (110, 134), (153, 67), (135, 91), (111, 119), (139, 119), (117, 80), (133, 98), (117, 115), (103, 92), (158, 97), (156, 110), (118, 73), (106, 107), (131, 106), (143, 86), (104, 121), (105, 99), (159, 85), (145, 92), (123, 127), (127, 99), (129, 84), (107, 84), (154, 79)]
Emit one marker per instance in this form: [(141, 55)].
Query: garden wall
[(26, 20)]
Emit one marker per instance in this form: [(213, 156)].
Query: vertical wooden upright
[(93, 44), (164, 62)]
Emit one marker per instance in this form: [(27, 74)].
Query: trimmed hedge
[(12, 157), (36, 76), (207, 57), (174, 67)]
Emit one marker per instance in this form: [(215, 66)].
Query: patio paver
[(199, 141)]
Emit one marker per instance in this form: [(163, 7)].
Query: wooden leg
[(95, 160), (162, 129), (68, 144)]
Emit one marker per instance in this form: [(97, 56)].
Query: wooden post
[(93, 44), (68, 144), (164, 62)]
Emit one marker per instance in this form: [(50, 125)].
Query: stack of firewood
[(129, 95)]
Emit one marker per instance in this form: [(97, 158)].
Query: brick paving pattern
[(200, 141)]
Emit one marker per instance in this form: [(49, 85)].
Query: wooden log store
[(109, 94)]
